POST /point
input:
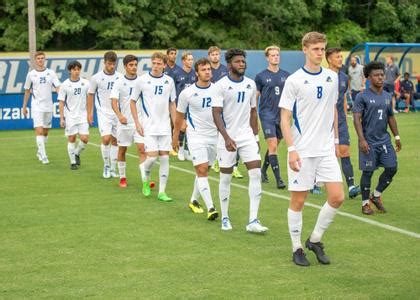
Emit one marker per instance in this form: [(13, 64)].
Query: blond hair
[(213, 49), (159, 55), (185, 54), (272, 47), (313, 37)]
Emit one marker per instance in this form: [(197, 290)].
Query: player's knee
[(390, 172), (366, 178), (84, 138), (254, 174)]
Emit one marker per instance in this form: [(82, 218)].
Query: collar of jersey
[(310, 73), (130, 78), (151, 75), (231, 79), (107, 73), (75, 80), (40, 70), (201, 88)]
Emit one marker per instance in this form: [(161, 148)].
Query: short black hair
[(201, 62), (230, 53), (170, 50), (406, 73), (373, 65), (74, 64), (128, 58), (331, 51)]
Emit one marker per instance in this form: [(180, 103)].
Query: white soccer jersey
[(101, 85), (312, 98), (73, 94), (41, 83), (196, 103), (236, 98), (123, 90), (155, 94)]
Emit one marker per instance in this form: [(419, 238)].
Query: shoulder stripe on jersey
[(295, 118), (143, 105)]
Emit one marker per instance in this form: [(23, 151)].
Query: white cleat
[(256, 227), (114, 174), (45, 161), (181, 155), (226, 224), (107, 172)]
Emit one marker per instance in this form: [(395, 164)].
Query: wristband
[(257, 138), (336, 141), (291, 149), (397, 137)]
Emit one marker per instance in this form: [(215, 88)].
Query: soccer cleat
[(226, 224), (366, 210), (354, 191), (146, 189), (280, 184), (377, 201), (264, 177), (236, 173), (255, 227), (73, 167), (406, 110), (318, 249), (163, 197), (216, 167), (212, 214), (181, 155), (299, 258), (123, 182), (152, 184), (173, 153), (114, 174), (77, 159), (45, 160), (107, 172), (316, 190), (195, 207)]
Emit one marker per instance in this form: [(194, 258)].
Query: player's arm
[(357, 121), (116, 109), (336, 140), (285, 120), (135, 114), (89, 108), (179, 118), (345, 106), (25, 102), (393, 125), (254, 120), (61, 109)]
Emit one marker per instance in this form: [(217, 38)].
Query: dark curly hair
[(233, 52), (73, 65), (373, 65)]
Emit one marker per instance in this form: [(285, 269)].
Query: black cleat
[(212, 214), (377, 201), (77, 159), (73, 167), (318, 249), (280, 184), (264, 177), (299, 258)]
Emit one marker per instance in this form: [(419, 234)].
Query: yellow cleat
[(195, 207), (173, 153), (215, 166), (236, 173)]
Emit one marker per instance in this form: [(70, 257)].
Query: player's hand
[(230, 145), (398, 144), (139, 129), (25, 111), (62, 123), (122, 119), (90, 119), (175, 143), (294, 161), (364, 146)]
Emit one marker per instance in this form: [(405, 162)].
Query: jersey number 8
[(319, 92)]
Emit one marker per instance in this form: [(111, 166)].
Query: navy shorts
[(271, 129), (381, 155), (343, 135)]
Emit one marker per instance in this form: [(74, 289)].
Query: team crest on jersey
[(166, 82), (329, 79), (306, 82), (230, 88), (249, 86)]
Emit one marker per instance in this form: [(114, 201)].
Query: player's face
[(157, 66), (238, 65), (376, 78), (335, 60), (75, 73), (131, 68), (388, 60), (204, 73), (40, 61), (314, 53), (110, 66), (353, 61), (273, 57), (188, 61), (214, 57), (172, 56)]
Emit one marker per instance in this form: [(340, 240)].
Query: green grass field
[(72, 234)]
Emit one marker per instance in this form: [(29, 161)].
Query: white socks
[(294, 220), (142, 172), (196, 192), (254, 191), (40, 142), (325, 218), (80, 147), (204, 188), (121, 168), (71, 151), (163, 172), (148, 164), (113, 157), (105, 150), (224, 193)]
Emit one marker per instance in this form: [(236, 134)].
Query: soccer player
[(121, 93), (238, 128), (184, 77), (372, 113), (218, 70), (100, 87), (195, 102), (40, 82), (155, 89), (171, 66), (270, 84), (73, 114), (310, 96), (407, 92), (335, 63)]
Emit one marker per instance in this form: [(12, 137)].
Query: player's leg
[(71, 149), (46, 127), (152, 152), (344, 149), (272, 155), (105, 130), (226, 160), (38, 119), (367, 164), (125, 139), (264, 167), (164, 146), (182, 136), (407, 97), (114, 149), (83, 131)]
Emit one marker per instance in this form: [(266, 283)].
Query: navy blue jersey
[(218, 73), (170, 71), (375, 109), (406, 86), (183, 79), (342, 89), (270, 86)]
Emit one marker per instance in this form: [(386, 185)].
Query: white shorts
[(247, 153), (153, 143), (107, 125), (126, 136), (314, 170), (81, 129), (203, 153), (42, 119)]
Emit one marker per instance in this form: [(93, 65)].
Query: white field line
[(344, 214)]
